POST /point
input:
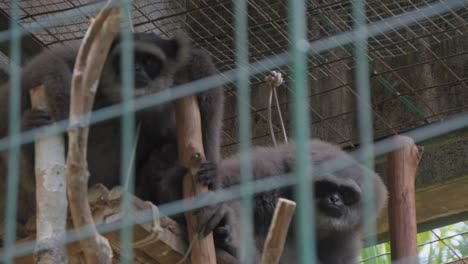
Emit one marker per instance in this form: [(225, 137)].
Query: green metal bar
[(364, 113), (303, 190), (127, 172), (242, 62), (14, 115)]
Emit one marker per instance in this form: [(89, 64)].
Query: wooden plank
[(435, 202), (274, 243)]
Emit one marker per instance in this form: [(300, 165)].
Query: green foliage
[(437, 246)]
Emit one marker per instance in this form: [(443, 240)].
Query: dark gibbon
[(159, 64), (337, 200)]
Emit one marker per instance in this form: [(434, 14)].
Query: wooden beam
[(402, 165), (435, 203)]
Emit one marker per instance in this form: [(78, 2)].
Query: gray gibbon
[(159, 64), (338, 201)]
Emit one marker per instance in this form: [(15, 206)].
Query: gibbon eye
[(349, 196)]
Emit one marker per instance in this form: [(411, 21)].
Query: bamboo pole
[(191, 155), (402, 165), (51, 192), (274, 243), (87, 70)]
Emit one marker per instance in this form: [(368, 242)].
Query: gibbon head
[(156, 61), (339, 195)]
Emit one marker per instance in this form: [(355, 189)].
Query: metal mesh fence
[(395, 57), (416, 65)]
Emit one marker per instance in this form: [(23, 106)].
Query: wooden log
[(191, 155), (402, 166), (274, 243), (87, 70), (51, 192)]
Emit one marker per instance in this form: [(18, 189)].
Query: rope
[(155, 233), (155, 230), (273, 81), (195, 237), (189, 249)]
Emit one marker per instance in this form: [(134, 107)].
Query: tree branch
[(51, 193), (88, 67), (191, 155)]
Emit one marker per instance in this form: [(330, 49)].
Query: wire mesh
[(394, 56), (433, 44)]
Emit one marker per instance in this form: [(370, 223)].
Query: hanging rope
[(273, 81)]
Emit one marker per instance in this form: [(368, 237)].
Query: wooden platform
[(162, 241)]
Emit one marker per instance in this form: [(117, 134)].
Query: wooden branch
[(402, 165), (51, 193), (191, 155), (88, 66), (274, 243)]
